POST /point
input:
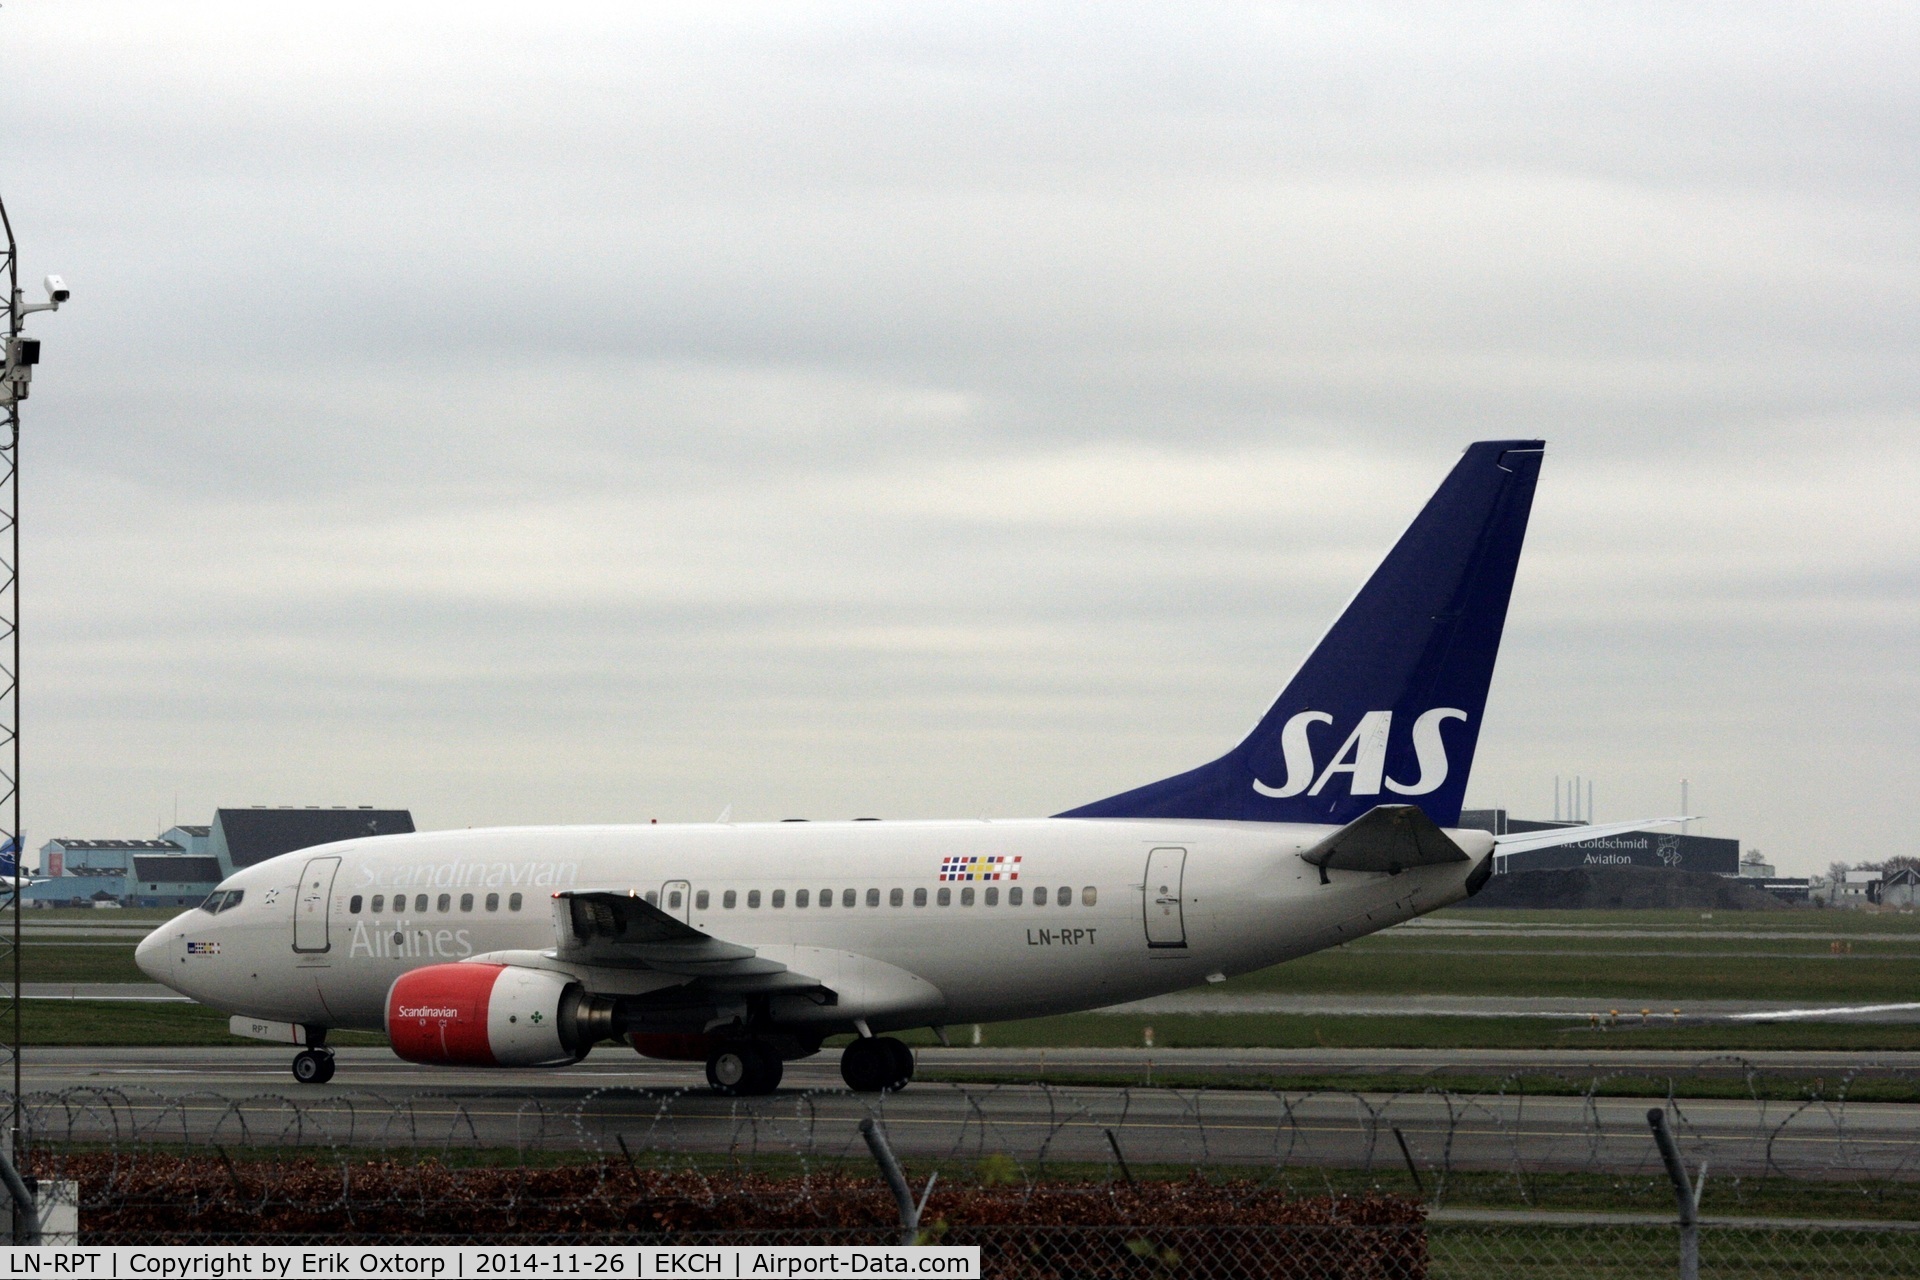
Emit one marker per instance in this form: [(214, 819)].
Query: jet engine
[(494, 1015)]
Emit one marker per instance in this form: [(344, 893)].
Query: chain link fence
[(1049, 1181)]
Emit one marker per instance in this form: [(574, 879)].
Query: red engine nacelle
[(487, 1015)]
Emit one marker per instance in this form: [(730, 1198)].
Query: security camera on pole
[(23, 352), (16, 379)]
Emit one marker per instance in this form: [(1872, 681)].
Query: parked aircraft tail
[(1386, 710)]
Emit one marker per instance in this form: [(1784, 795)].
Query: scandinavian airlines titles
[(1363, 756)]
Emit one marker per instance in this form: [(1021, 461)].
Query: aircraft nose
[(151, 954)]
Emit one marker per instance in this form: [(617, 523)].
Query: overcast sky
[(532, 413)]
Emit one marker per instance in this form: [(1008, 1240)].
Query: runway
[(1623, 1011), (246, 1097)]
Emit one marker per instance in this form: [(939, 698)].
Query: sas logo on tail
[(1363, 756)]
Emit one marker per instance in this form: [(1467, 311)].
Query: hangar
[(1715, 854), (184, 863)]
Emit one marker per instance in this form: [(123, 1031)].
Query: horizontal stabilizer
[(1387, 837), (1553, 837)]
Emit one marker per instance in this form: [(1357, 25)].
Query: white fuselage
[(319, 943)]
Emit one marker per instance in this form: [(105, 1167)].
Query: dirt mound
[(1623, 889)]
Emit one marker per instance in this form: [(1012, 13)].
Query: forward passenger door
[(312, 900)]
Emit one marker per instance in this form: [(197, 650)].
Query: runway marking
[(1827, 1012)]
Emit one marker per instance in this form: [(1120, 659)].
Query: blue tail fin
[(1387, 709)]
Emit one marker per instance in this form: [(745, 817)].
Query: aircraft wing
[(1387, 837), (1528, 841), (621, 929)]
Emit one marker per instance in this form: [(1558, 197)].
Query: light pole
[(16, 378)]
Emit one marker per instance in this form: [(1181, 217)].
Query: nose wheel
[(313, 1066), (876, 1064)]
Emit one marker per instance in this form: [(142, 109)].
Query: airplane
[(747, 945), (12, 878)]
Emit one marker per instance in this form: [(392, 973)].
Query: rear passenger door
[(1162, 899)]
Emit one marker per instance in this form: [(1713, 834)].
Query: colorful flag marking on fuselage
[(995, 866)]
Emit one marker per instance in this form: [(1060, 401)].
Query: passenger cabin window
[(379, 901), (673, 900), (946, 897), (466, 902), (919, 897), (993, 895), (729, 899), (1088, 896), (1065, 896), (895, 897), (780, 899), (847, 898), (966, 896), (1013, 896), (700, 900), (353, 905), (493, 902), (1040, 896), (446, 902), (800, 898), (753, 899), (513, 903)]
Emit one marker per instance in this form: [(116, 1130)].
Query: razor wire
[(1417, 1142)]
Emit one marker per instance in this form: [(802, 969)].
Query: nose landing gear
[(876, 1064), (314, 1064)]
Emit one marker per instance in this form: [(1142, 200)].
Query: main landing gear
[(876, 1064), (314, 1064), (744, 1068)]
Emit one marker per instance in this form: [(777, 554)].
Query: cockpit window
[(222, 900)]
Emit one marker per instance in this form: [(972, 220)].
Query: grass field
[(1304, 1031), (75, 962), (1622, 955), (1797, 921), (120, 1022), (1397, 967), (1781, 1088)]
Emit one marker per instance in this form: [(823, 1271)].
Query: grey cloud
[(538, 416)]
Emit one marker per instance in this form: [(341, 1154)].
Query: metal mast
[(21, 355), (10, 956)]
